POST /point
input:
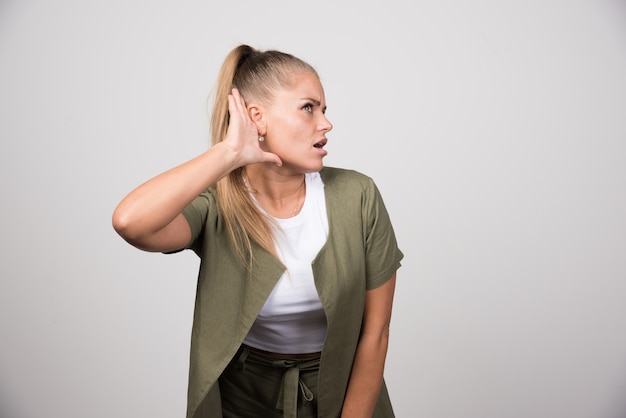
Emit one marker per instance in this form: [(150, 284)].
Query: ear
[(257, 116)]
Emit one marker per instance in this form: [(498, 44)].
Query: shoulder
[(345, 187), (342, 178)]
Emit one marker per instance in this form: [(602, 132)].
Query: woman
[(298, 260)]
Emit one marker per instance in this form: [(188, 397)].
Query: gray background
[(495, 130)]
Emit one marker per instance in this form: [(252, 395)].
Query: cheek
[(287, 130), (289, 127)]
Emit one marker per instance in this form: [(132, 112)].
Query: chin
[(306, 166), (315, 168)]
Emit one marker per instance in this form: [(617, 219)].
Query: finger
[(273, 158), (233, 107), (239, 101), (234, 99), (240, 106)]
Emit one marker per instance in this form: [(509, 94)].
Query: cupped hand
[(242, 135)]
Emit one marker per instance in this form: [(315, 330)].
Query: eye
[(308, 107)]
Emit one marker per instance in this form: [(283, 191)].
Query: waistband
[(301, 356)]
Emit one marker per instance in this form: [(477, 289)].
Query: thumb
[(273, 158)]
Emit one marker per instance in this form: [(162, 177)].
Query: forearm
[(366, 377), (154, 204)]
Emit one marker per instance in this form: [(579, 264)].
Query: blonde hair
[(256, 74)]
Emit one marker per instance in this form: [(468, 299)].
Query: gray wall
[(495, 130)]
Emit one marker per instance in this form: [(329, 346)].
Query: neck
[(281, 198), (272, 186)]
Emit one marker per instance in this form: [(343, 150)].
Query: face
[(296, 124)]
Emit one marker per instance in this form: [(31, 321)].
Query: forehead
[(304, 85)]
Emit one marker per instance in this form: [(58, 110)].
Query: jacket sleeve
[(198, 214), (382, 255)]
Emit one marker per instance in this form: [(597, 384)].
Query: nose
[(325, 124)]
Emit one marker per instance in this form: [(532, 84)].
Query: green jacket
[(361, 253)]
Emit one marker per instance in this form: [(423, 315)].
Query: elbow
[(378, 339), (383, 338), (119, 222), (122, 224)]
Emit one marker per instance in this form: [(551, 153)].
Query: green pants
[(259, 386)]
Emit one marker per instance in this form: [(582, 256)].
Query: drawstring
[(288, 395), (242, 358), (291, 384)]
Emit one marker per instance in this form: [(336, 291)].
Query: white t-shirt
[(292, 320)]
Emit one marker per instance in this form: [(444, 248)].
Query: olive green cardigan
[(361, 253)]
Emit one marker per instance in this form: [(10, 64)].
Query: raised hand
[(242, 135)]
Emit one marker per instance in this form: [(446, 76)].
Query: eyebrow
[(314, 101), (309, 99)]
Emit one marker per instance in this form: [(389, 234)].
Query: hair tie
[(244, 57)]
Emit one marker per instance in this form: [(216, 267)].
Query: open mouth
[(320, 144)]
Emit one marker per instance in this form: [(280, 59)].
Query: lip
[(320, 146)]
